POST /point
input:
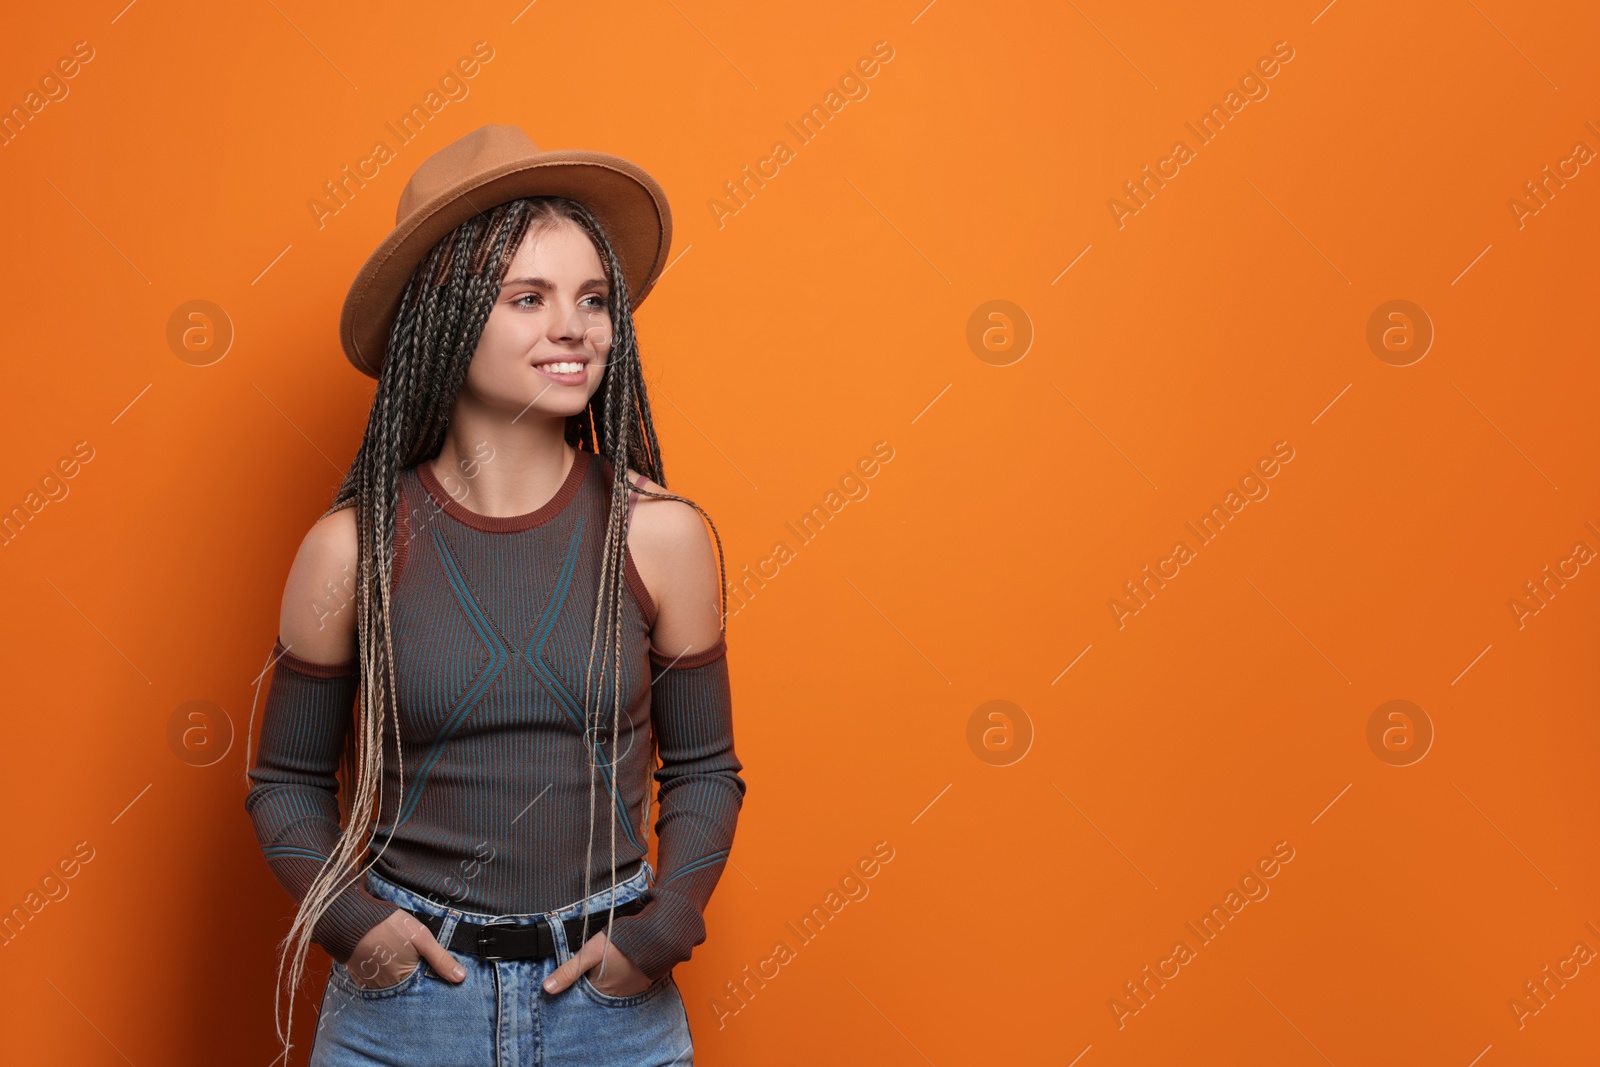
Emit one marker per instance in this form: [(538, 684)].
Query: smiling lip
[(581, 377)]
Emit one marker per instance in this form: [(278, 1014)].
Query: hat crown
[(478, 152)]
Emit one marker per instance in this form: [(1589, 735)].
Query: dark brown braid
[(442, 314)]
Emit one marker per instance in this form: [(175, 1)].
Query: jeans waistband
[(624, 891)]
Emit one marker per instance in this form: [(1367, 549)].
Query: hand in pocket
[(615, 975), (390, 951)]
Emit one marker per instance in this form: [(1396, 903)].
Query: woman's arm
[(701, 791), (293, 801)]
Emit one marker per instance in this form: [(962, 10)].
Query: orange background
[(829, 313)]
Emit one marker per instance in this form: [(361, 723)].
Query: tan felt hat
[(485, 168)]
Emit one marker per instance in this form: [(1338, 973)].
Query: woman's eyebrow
[(544, 283)]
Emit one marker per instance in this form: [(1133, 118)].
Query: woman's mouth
[(564, 372)]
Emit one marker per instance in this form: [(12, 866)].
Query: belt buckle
[(481, 942)]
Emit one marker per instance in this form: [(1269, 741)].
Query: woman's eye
[(596, 301)]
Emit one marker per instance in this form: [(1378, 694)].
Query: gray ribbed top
[(492, 620)]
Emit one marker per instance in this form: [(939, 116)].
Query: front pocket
[(593, 993), (348, 983)]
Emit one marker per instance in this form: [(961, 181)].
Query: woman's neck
[(504, 471)]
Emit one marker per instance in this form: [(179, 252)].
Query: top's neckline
[(507, 523)]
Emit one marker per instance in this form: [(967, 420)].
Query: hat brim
[(630, 205)]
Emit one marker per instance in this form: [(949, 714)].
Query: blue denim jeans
[(500, 1015)]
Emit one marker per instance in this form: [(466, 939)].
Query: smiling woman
[(560, 328), (500, 664), (552, 319)]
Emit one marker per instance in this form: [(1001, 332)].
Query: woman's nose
[(578, 323)]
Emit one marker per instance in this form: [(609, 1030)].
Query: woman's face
[(545, 345)]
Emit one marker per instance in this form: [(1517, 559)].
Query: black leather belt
[(521, 941)]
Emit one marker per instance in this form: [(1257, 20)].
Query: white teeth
[(563, 368)]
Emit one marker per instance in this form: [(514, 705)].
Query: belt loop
[(561, 942), (447, 927)]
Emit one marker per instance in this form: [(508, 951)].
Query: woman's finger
[(428, 948), (581, 961), (440, 959)]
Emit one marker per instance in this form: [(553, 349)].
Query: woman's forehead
[(561, 243)]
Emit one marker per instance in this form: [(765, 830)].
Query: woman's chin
[(550, 407)]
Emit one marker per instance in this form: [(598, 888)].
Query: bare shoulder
[(317, 620), (677, 560), (671, 524)]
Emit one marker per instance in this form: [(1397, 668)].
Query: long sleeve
[(699, 800), (293, 800)]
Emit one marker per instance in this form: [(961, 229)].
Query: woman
[(508, 608)]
